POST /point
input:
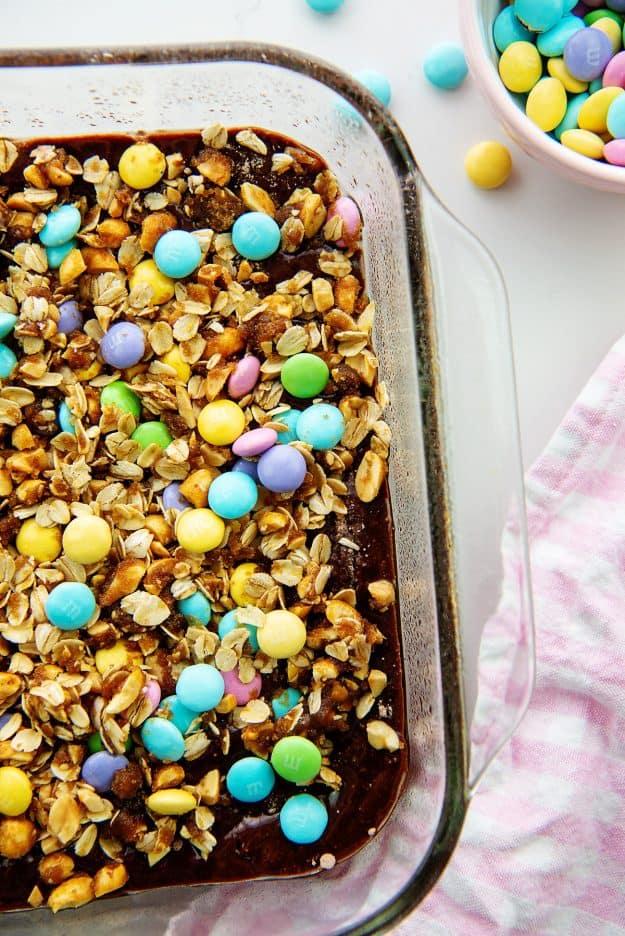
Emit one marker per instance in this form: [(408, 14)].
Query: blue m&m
[(250, 780), (232, 495), (177, 254), (61, 225), (56, 255), (66, 419), (7, 323), (255, 235), (8, 361), (163, 739), (174, 710), (70, 605), (303, 819), (321, 426), (289, 419), (283, 703), (196, 608), (200, 687), (229, 623)]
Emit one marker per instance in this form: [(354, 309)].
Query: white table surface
[(558, 245)]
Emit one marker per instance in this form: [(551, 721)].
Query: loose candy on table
[(199, 530), (488, 164), (162, 739), (593, 114), (7, 323), (239, 577), (445, 66), (16, 791), (37, 542), (244, 377), (123, 345), (282, 635), (221, 422), (152, 432), (70, 605), (142, 165), (250, 780), (147, 274), (376, 83), (587, 53), (241, 691), (232, 495), (99, 769), (174, 710), (65, 419), (119, 395), (61, 226), (508, 29), (325, 6), (282, 469), (196, 608), (70, 317), (289, 419), (283, 703), (249, 468), (254, 442), (229, 623), (296, 759), (200, 687), (304, 375), (8, 361), (87, 539), (321, 426), (56, 255), (177, 254), (546, 103), (171, 802), (173, 499), (303, 819), (585, 142), (173, 358), (255, 235)]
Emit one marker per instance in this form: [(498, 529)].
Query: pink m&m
[(152, 692), (254, 442), (244, 377), (614, 152), (614, 74), (347, 209), (242, 692)]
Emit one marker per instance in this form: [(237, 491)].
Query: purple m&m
[(587, 53), (99, 769), (347, 210), (70, 317), (123, 345), (254, 442), (244, 377), (173, 499), (281, 469), (247, 467)]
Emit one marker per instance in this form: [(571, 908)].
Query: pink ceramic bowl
[(477, 18)]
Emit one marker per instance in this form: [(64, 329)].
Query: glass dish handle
[(480, 432)]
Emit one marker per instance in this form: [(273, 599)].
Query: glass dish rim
[(408, 175)]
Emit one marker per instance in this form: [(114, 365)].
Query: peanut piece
[(55, 868), (9, 685), (99, 260), (153, 228), (369, 477), (72, 893), (124, 581), (109, 878), (112, 232), (382, 594), (17, 837), (208, 788), (72, 267), (382, 737), (195, 487), (257, 199), (22, 437), (168, 777)]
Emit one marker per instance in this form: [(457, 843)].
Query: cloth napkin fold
[(543, 848)]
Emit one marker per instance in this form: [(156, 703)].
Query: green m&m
[(94, 743), (150, 433), (304, 375), (296, 759), (120, 395)]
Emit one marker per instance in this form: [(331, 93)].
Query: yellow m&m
[(38, 542), (546, 103), (199, 530), (282, 635), (16, 791), (488, 164), (173, 358), (142, 165), (87, 539), (221, 422), (238, 581), (520, 67), (171, 802), (147, 273)]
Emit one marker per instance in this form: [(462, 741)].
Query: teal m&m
[(445, 65), (616, 118), (288, 418), (200, 687), (283, 703), (7, 323), (8, 361), (303, 819), (296, 759), (321, 426), (120, 395), (255, 235), (152, 433), (61, 225), (196, 608), (232, 495), (377, 83), (56, 255), (173, 709), (162, 739), (507, 29), (229, 623), (177, 254), (325, 6), (304, 375), (250, 780), (66, 419), (70, 605)]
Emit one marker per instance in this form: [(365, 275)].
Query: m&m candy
[(142, 165), (229, 623), (70, 317), (296, 759), (282, 635), (61, 226), (304, 375), (445, 66), (178, 713), (199, 530), (303, 819), (221, 422), (70, 605), (200, 687), (152, 432), (321, 426), (162, 739), (196, 608), (250, 780), (119, 395), (282, 469), (87, 539), (38, 542), (232, 495), (255, 235), (100, 769), (177, 254), (123, 345), (16, 791)]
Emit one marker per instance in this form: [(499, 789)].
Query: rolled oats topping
[(200, 671)]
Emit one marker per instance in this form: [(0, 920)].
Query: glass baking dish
[(443, 342)]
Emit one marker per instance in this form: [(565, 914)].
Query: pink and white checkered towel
[(543, 848)]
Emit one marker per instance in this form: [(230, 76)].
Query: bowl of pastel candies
[(554, 72)]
